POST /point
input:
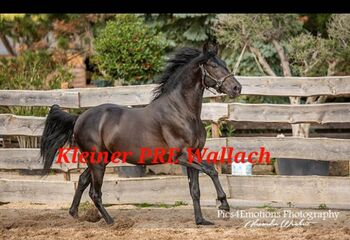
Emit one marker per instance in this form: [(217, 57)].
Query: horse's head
[(215, 73)]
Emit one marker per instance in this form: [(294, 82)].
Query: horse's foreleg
[(193, 181), (210, 170), (195, 194), (84, 181)]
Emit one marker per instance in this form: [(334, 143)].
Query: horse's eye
[(213, 65)]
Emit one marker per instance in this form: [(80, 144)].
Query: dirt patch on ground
[(25, 221)]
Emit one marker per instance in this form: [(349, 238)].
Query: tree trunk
[(215, 133), (265, 65), (7, 44), (299, 130)]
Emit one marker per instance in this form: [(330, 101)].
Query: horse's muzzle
[(235, 91)]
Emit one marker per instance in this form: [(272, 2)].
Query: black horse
[(171, 120)]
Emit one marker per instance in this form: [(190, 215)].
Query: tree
[(298, 52), (183, 29), (338, 30), (129, 50), (52, 32), (5, 29)]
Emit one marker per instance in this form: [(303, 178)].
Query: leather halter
[(218, 82)]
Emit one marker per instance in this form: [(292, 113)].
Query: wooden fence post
[(66, 176), (215, 133)]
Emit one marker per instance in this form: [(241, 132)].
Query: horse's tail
[(57, 132)]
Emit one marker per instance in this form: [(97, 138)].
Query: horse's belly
[(145, 155), (139, 148)]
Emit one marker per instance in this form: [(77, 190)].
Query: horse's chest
[(195, 135), (187, 134)]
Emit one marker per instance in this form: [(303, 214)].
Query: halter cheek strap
[(218, 82)]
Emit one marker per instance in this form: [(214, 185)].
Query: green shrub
[(32, 71), (128, 50)]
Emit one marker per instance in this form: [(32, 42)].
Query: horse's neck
[(193, 98), (186, 98), (194, 91), (189, 95)]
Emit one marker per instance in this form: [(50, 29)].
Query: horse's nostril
[(237, 89)]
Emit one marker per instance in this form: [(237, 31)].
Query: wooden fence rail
[(142, 94), (11, 125), (276, 113), (241, 191), (283, 113), (295, 86), (305, 148), (65, 99)]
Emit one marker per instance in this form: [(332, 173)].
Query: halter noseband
[(218, 82)]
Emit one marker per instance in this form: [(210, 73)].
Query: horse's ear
[(210, 48)]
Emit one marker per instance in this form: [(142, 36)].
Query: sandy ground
[(32, 221)]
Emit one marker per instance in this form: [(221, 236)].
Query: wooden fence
[(326, 149)]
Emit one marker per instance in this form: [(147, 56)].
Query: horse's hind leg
[(95, 193), (84, 181)]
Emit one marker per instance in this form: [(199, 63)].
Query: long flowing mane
[(168, 81)]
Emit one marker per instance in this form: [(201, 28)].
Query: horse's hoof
[(74, 214), (204, 222), (224, 207), (110, 221)]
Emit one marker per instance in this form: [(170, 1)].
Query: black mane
[(167, 81)]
